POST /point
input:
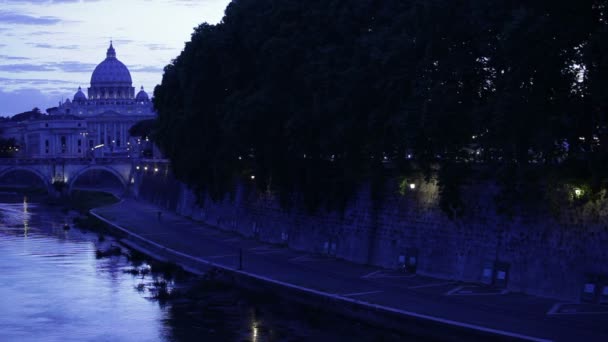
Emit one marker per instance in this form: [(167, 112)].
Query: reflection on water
[(26, 217), (53, 287)]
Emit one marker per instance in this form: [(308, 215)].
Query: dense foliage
[(8, 147), (34, 114), (143, 128), (314, 97)]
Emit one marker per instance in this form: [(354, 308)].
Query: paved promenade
[(448, 303)]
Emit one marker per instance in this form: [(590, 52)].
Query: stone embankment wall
[(536, 253)]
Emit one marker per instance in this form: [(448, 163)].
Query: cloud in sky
[(158, 47), (17, 68), (190, 3), (46, 33), (47, 2), (149, 68), (50, 46), (72, 66), (24, 19), (13, 58), (28, 93), (67, 66), (43, 41), (123, 41), (32, 81), (13, 101)]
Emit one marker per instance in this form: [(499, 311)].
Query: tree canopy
[(34, 114), (142, 128), (314, 97)]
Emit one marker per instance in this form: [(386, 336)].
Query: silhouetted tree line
[(9, 146), (316, 97), (34, 114)]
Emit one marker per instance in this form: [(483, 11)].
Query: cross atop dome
[(111, 52)]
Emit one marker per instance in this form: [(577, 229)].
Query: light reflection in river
[(54, 288), (26, 219), (254, 332)]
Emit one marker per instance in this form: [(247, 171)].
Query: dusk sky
[(48, 48)]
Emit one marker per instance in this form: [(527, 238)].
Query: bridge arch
[(121, 178), (45, 180)]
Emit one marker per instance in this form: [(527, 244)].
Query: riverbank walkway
[(445, 302)]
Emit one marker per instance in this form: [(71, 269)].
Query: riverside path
[(447, 310)]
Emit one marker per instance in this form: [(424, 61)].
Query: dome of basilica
[(142, 96), (79, 96), (111, 72)]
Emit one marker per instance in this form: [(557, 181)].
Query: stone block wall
[(541, 254)]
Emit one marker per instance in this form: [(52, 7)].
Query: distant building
[(96, 124)]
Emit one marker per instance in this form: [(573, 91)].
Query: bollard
[(501, 273), (591, 288)]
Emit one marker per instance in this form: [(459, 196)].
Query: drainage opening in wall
[(604, 294), (411, 261), (487, 272), (401, 262), (495, 273), (501, 276), (588, 291), (330, 247), (595, 288)]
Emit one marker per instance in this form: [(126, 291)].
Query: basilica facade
[(92, 125)]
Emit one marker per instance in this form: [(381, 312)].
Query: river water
[(53, 287)]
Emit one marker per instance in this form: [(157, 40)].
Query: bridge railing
[(79, 161), (155, 160)]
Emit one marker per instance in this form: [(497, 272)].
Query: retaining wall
[(536, 253)]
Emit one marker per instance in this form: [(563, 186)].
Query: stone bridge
[(66, 171)]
